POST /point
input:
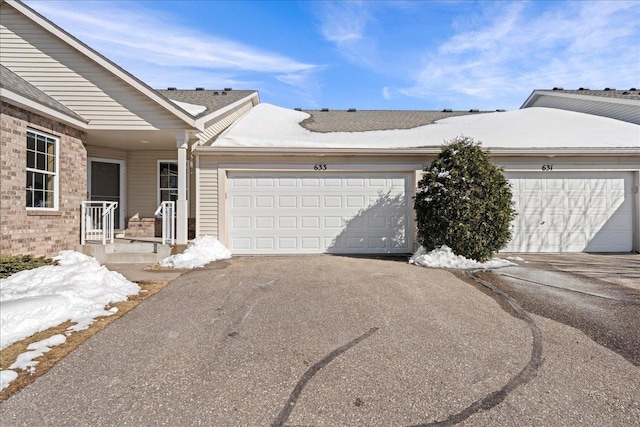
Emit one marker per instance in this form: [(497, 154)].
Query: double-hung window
[(168, 181), (42, 170)]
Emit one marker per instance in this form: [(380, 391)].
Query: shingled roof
[(632, 93), (212, 99), (373, 120), (16, 84)]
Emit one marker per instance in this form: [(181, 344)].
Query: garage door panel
[(572, 212), (336, 213)]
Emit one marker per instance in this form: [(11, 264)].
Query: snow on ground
[(77, 289), (26, 360), (267, 125), (201, 251), (6, 377), (444, 257)]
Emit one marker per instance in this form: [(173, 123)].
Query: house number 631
[(547, 168), (319, 167)]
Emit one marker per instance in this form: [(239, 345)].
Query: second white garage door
[(572, 212), (291, 213)]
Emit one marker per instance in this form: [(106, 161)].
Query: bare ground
[(74, 340)]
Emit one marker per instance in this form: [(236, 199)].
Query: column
[(182, 206)]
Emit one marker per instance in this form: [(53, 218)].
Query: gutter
[(400, 152)]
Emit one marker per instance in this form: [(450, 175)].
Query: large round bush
[(464, 201)]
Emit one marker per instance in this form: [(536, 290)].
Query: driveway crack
[(524, 376), (284, 414)]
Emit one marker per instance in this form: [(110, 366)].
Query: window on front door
[(168, 181)]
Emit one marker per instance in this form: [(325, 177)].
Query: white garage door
[(572, 212), (291, 213)]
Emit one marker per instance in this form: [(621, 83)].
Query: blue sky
[(366, 55)]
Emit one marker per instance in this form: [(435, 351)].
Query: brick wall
[(37, 232)]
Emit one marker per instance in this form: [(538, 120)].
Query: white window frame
[(158, 188), (55, 174)]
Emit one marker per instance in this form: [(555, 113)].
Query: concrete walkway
[(326, 341)]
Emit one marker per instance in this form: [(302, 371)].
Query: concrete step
[(134, 252)]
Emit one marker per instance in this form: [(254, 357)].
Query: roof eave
[(200, 121), (399, 152), (39, 108), (537, 93)]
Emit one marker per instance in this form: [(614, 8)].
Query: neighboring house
[(76, 127), (609, 102)]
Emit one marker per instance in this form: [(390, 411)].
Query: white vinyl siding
[(143, 181), (76, 81), (572, 212), (625, 112), (208, 217), (216, 126)]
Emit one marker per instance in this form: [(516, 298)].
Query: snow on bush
[(200, 252), (443, 257), (77, 289)]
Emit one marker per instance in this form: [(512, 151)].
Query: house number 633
[(320, 167)]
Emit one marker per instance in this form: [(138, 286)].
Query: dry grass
[(74, 340)]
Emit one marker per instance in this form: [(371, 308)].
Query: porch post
[(182, 206)]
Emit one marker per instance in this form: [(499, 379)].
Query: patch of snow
[(200, 252), (267, 125), (444, 174), (444, 257), (25, 361), (192, 109), (6, 377), (77, 289), (515, 258)]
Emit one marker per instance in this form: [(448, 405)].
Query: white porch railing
[(98, 221), (167, 210)]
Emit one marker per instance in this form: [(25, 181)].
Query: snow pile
[(6, 377), (26, 360), (201, 251), (77, 289), (443, 257)]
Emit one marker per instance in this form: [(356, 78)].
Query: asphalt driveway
[(330, 341)]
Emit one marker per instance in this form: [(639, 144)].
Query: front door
[(106, 184)]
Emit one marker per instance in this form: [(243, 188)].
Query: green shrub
[(464, 201), (14, 264)]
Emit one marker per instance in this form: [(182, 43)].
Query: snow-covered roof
[(267, 125), (192, 109)]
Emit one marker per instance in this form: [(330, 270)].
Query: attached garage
[(572, 211), (291, 182), (325, 212)]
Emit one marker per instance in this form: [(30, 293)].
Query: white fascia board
[(537, 93), (199, 123), (395, 152), (41, 109), (101, 60)]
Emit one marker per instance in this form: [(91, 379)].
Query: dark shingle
[(371, 120), (212, 99), (16, 84), (605, 93)]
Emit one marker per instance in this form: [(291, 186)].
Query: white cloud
[(496, 59), (146, 35), (344, 24)]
